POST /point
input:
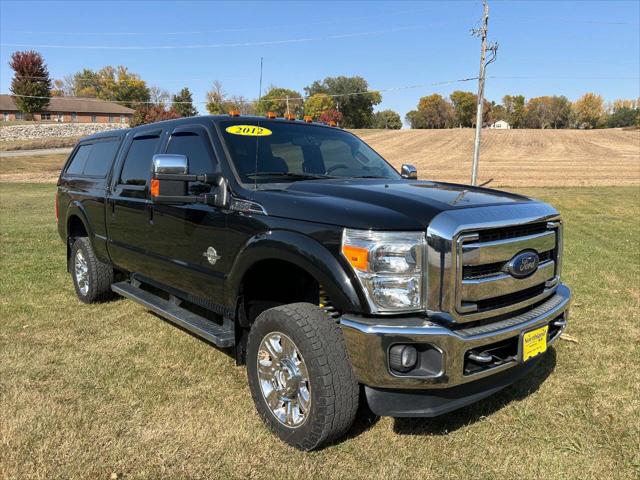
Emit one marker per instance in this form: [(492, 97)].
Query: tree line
[(589, 111), (347, 101)]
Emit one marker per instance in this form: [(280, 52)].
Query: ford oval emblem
[(523, 264)]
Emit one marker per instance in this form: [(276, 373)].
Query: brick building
[(70, 110)]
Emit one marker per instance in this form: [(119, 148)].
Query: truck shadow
[(451, 422)]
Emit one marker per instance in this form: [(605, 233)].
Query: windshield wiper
[(300, 176)]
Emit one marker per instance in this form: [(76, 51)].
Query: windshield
[(290, 152)]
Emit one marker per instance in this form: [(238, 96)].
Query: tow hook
[(480, 357), (560, 323)]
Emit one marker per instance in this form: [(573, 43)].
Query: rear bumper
[(368, 342)]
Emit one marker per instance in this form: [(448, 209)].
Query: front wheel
[(300, 377)]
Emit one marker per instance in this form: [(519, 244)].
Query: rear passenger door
[(129, 209), (180, 235)]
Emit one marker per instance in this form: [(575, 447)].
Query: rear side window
[(79, 160), (93, 159), (137, 165)]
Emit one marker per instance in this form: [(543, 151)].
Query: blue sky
[(554, 47)]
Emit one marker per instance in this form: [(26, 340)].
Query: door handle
[(150, 212)]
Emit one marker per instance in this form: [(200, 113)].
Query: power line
[(223, 30), (222, 45), (337, 95)]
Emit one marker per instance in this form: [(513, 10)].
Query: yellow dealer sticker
[(534, 343), (249, 130)]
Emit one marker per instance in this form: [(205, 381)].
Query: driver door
[(180, 235)]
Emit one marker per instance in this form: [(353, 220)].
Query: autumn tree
[(464, 106), (280, 101), (217, 103), (31, 84), (433, 111), (331, 115), (352, 98), (589, 110), (387, 119), (539, 112), (109, 83), (316, 104), (561, 112), (158, 96), (514, 106), (183, 103), (152, 113), (623, 113)]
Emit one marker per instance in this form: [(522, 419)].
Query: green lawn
[(92, 391)]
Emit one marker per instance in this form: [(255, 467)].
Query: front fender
[(304, 252)]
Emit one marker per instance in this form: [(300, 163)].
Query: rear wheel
[(92, 278), (300, 377)]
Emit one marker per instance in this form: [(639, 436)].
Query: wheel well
[(269, 283), (75, 229)]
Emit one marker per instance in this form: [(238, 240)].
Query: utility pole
[(493, 49), (287, 105)]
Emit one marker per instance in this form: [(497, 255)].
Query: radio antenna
[(255, 177)]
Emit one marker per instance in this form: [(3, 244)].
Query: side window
[(76, 167), (137, 164), (197, 150), (100, 158)]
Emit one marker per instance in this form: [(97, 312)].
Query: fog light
[(403, 358)]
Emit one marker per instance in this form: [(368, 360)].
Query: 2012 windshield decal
[(249, 130)]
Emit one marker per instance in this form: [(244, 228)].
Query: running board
[(218, 335)]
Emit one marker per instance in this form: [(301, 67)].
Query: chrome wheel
[(283, 379), (81, 271)]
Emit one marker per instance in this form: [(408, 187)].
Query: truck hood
[(379, 204)]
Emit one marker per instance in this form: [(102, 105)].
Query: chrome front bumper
[(368, 342)]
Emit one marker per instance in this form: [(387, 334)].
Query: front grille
[(509, 298), (506, 233), (471, 272), (468, 250), (485, 284)]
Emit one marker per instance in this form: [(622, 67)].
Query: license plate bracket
[(534, 342)]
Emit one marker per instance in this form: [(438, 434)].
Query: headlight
[(389, 267)]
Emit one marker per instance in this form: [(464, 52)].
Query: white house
[(501, 124)]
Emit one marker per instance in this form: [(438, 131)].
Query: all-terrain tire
[(95, 284), (334, 389)]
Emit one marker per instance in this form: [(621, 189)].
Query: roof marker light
[(271, 115), (234, 113), (289, 116), (308, 118)]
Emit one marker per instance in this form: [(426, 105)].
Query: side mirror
[(409, 172), (170, 163), (170, 182)]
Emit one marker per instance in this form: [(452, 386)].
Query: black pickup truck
[(335, 279)]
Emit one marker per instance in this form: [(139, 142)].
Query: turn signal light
[(155, 187), (308, 118), (358, 257), (271, 115), (234, 113)]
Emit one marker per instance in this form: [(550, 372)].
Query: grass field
[(36, 143), (521, 158), (100, 391), (518, 158)]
